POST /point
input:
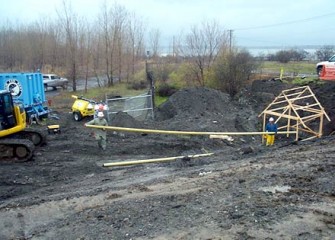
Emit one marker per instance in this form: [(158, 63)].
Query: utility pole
[(230, 38)]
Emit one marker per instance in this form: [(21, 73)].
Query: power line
[(285, 23)]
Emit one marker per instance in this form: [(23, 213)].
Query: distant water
[(263, 51)]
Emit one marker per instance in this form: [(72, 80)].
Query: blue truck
[(28, 90)]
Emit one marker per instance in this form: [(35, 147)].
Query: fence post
[(150, 79)]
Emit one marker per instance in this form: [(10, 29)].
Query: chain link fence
[(139, 107)]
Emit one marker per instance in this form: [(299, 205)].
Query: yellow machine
[(82, 107), (16, 142)]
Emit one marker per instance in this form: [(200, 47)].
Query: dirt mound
[(195, 101), (325, 93), (122, 119), (204, 109), (274, 87)]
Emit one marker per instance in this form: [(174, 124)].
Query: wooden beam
[(306, 139), (280, 108), (269, 106), (321, 126), (298, 116), (154, 160), (142, 130), (281, 115), (299, 94), (264, 125), (288, 122), (312, 116), (299, 98), (299, 107), (322, 109), (294, 89), (292, 94)]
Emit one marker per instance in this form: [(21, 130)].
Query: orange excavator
[(17, 143)]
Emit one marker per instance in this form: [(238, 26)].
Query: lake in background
[(263, 51)]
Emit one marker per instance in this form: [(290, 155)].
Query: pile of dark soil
[(122, 119), (326, 95), (203, 109)]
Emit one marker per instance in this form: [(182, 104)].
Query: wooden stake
[(288, 122)]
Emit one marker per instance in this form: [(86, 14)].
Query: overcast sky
[(254, 22)]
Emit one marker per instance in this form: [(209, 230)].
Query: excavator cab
[(12, 117), (16, 142)]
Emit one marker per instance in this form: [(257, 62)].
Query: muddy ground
[(244, 191)]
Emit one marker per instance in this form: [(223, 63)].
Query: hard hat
[(271, 119), (100, 114), (89, 106)]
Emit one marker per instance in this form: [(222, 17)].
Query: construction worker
[(271, 126), (100, 134)]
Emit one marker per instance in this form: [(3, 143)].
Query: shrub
[(166, 90), (138, 85)]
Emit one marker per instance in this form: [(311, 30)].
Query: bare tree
[(325, 52), (202, 45), (135, 42), (69, 21), (233, 69), (113, 24), (7, 47), (86, 49), (35, 44), (154, 37)]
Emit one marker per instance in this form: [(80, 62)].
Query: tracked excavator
[(17, 143)]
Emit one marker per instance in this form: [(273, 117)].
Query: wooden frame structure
[(298, 107)]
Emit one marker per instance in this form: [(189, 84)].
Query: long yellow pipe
[(154, 160), (141, 130)]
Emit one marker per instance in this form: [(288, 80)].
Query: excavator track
[(36, 137), (20, 146), (16, 150)]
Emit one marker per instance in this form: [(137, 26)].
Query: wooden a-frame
[(299, 108)]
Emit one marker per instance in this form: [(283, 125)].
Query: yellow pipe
[(154, 160), (141, 130)]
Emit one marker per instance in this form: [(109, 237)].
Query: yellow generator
[(16, 142), (82, 107)]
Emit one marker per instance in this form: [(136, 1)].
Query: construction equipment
[(16, 142), (26, 89), (84, 107), (53, 129)]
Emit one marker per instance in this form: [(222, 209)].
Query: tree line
[(284, 56), (109, 46), (112, 47)]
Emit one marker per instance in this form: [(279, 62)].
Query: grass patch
[(159, 100), (64, 101), (291, 67), (306, 81)]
